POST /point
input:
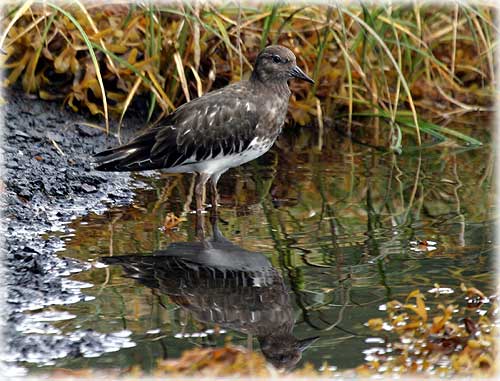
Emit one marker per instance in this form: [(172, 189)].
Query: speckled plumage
[(220, 130)]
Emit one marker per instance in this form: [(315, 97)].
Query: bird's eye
[(276, 59)]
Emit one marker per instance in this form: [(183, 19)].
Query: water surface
[(335, 227)]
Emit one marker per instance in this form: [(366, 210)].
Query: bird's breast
[(272, 118)]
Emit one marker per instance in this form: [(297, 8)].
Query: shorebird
[(217, 131)]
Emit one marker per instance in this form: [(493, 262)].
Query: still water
[(312, 239)]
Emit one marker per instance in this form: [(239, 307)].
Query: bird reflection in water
[(222, 284)]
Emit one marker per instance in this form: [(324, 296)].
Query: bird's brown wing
[(222, 121)]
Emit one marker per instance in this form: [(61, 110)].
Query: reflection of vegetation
[(376, 59), (350, 237)]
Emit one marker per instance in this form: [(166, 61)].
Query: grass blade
[(20, 11), (182, 75), (153, 84), (29, 78), (90, 46), (405, 118), (396, 66), (347, 62), (96, 31), (267, 25), (199, 87), (130, 96), (428, 127)]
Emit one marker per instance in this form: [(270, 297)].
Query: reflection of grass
[(390, 195), (379, 59)]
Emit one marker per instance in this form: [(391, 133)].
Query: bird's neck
[(277, 87)]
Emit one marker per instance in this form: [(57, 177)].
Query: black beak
[(297, 72)]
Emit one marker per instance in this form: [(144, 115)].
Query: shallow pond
[(314, 238)]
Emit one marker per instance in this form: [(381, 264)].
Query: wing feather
[(205, 127), (222, 121)]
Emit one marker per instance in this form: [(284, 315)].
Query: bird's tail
[(135, 156)]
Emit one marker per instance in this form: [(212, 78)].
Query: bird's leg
[(213, 223), (213, 216), (200, 226), (214, 200), (213, 191), (201, 180)]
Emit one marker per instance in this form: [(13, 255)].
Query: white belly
[(222, 162)]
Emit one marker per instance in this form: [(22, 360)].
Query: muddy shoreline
[(49, 181)]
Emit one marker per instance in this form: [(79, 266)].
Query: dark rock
[(38, 193), (87, 131), (25, 193)]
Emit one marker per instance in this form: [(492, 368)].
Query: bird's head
[(277, 63)]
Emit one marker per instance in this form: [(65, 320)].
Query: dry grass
[(448, 340), (384, 59)]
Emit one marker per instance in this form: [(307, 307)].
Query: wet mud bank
[(48, 181)]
